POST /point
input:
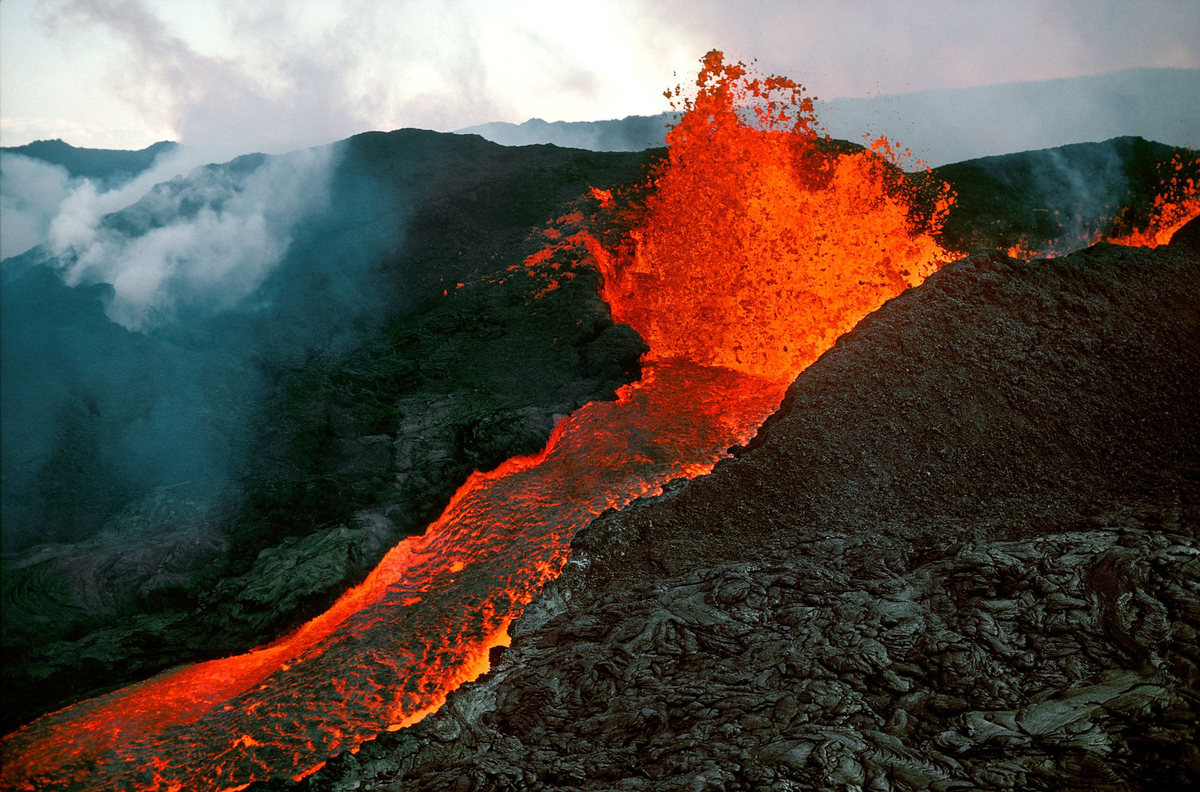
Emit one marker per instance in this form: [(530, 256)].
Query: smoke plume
[(206, 242), (138, 345)]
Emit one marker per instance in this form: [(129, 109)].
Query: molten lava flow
[(1172, 209), (391, 649), (759, 247)]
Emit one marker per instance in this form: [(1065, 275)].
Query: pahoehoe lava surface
[(963, 554)]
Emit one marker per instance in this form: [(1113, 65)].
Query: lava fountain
[(759, 244)]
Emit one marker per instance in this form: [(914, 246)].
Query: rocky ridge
[(965, 553)]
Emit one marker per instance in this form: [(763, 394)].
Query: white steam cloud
[(189, 267), (44, 202), (206, 242), (31, 195)]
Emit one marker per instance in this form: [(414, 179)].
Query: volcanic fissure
[(759, 244)]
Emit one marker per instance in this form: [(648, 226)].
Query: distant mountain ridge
[(109, 167), (949, 125), (632, 133)]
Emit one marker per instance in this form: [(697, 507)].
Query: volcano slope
[(1054, 201), (350, 410), (368, 377), (963, 554)]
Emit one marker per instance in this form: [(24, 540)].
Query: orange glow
[(759, 247), (604, 197), (1173, 208)]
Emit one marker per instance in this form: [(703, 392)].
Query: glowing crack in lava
[(759, 246)]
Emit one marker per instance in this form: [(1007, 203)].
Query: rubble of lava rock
[(964, 554)]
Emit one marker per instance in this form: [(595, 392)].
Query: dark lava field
[(963, 554)]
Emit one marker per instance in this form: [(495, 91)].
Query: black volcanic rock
[(632, 133), (962, 555), (373, 374)]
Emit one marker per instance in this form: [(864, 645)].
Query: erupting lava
[(1177, 203), (1172, 209), (760, 244)]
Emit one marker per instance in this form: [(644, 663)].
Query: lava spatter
[(762, 242), (1177, 203), (759, 245)]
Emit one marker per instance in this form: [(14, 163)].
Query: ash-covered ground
[(964, 554)]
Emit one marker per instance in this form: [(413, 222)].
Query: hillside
[(109, 168), (391, 338), (195, 486), (961, 555)]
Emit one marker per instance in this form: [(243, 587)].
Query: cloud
[(275, 76), (853, 48), (222, 101), (31, 193), (202, 243)]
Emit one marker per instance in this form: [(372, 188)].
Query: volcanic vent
[(758, 245)]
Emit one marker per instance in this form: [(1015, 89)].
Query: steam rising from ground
[(39, 196), (138, 344), (206, 242), (31, 195)]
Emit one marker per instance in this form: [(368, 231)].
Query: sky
[(276, 75)]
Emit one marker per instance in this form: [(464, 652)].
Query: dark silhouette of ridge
[(110, 167), (948, 125)]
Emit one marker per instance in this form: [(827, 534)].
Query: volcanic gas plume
[(758, 245)]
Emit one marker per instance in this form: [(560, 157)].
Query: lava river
[(758, 246)]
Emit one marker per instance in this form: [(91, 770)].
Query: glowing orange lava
[(760, 245), (422, 624), (1176, 205)]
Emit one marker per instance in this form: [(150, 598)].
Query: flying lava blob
[(758, 245)]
